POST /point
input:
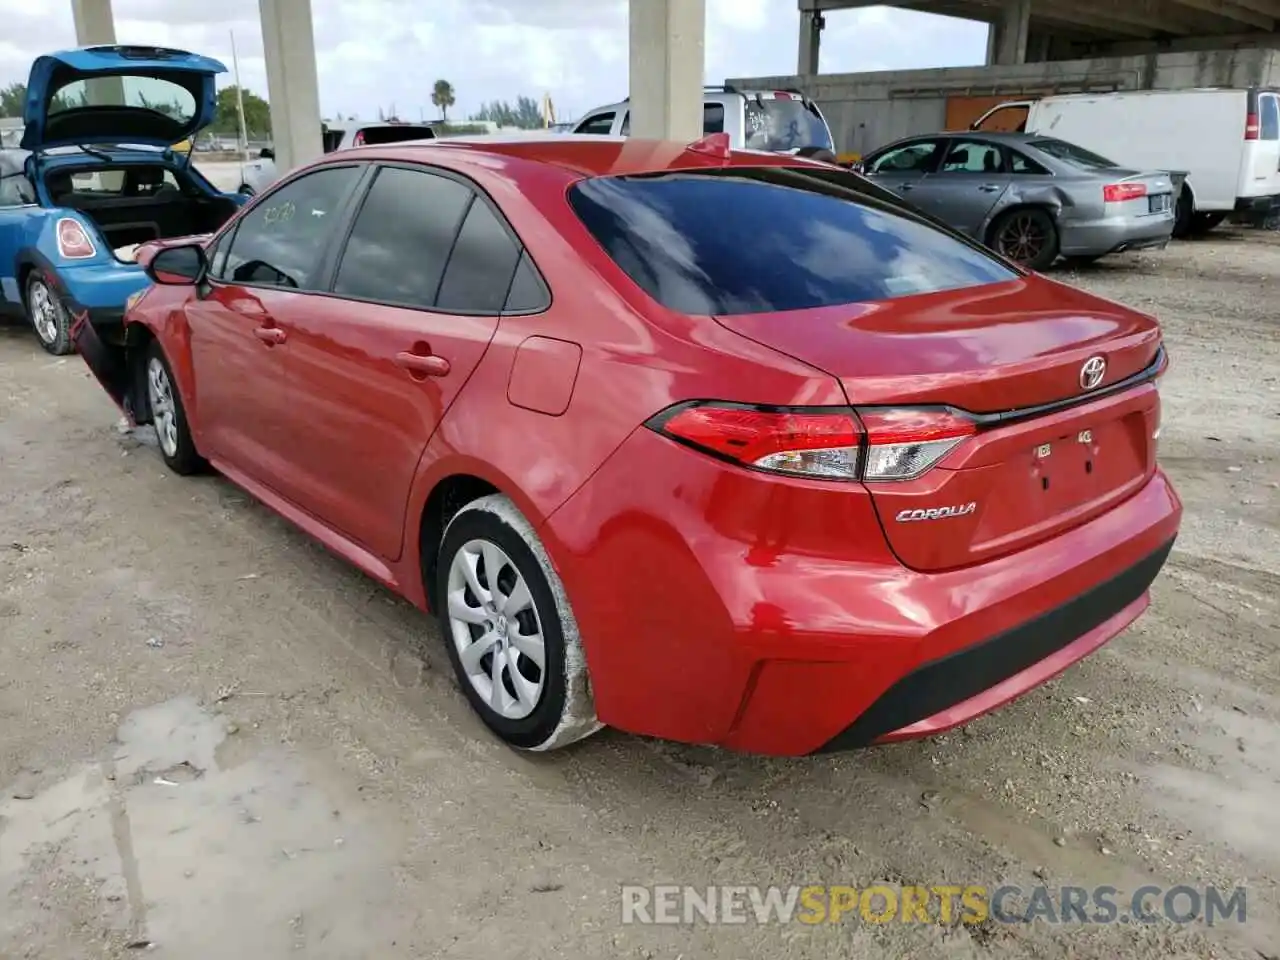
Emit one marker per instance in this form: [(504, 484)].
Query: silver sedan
[(1029, 197)]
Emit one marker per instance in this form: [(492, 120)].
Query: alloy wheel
[(1023, 238), (164, 413), (496, 630), (45, 312)]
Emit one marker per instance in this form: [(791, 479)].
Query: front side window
[(916, 157), (599, 125), (400, 242), (769, 239), (966, 156), (280, 241)]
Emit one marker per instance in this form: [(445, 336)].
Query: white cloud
[(373, 53)]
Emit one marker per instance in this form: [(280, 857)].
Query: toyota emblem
[(1091, 374)]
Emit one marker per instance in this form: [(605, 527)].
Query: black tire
[(1088, 260), (1027, 236), (562, 710), (1184, 215), (1202, 223), (48, 315), (169, 416)]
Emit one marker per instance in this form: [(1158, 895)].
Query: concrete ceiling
[(1105, 19)]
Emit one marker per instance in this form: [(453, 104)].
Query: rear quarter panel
[(1150, 131)]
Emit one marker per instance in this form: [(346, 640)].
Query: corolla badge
[(936, 513), (1091, 374)]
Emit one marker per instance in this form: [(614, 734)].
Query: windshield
[(771, 239), (782, 125), (1073, 154), (145, 93)]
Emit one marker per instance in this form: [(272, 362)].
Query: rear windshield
[(395, 134), (780, 126), (1073, 154), (761, 240), (146, 93)]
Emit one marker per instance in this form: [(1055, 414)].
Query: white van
[(778, 121), (1227, 141)]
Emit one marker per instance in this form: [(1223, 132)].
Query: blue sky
[(375, 53)]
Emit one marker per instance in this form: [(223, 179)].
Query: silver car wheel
[(164, 412), (45, 312), (496, 630)]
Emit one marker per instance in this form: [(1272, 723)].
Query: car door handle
[(904, 187), (269, 335), (990, 187), (423, 364)]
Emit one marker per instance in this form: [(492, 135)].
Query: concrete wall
[(867, 110)]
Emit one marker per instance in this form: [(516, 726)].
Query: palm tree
[(442, 97)]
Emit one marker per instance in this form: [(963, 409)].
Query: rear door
[(1264, 164), (966, 186), (416, 296)]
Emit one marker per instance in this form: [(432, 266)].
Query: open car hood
[(119, 94)]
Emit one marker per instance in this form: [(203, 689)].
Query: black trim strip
[(947, 681)]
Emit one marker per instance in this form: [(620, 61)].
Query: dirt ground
[(218, 741)]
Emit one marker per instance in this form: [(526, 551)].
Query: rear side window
[(1269, 116), (781, 123), (481, 265), (764, 240), (401, 239)]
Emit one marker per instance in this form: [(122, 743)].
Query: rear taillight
[(1120, 192), (835, 443), (903, 443), (74, 242), (800, 442), (1251, 127)]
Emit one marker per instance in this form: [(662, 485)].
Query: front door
[(418, 290), (968, 183), (903, 168), (258, 275)]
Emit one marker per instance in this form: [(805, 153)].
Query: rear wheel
[(48, 315), (1184, 214), (510, 633), (1202, 223), (169, 417), (1026, 236)]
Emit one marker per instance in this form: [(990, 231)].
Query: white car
[(257, 174), (778, 121)]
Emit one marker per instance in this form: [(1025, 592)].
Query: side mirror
[(857, 167), (183, 266), (266, 153)]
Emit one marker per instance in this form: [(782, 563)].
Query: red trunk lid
[(1003, 349)]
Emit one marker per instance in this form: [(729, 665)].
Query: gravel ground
[(216, 740)]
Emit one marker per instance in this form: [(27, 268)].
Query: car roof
[(584, 154)]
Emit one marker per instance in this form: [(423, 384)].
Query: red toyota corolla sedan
[(715, 446)]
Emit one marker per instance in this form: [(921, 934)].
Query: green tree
[(442, 96), (257, 114), (12, 99), (524, 114)]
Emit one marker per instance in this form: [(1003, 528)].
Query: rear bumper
[(771, 618), (1114, 234), (1255, 210)]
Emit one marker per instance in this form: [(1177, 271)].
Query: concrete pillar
[(95, 24), (1014, 26), (993, 43), (293, 88), (96, 27), (811, 24), (668, 40)]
